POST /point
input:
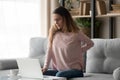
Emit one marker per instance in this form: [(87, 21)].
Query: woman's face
[(58, 21)]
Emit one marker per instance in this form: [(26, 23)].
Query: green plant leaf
[(86, 22)]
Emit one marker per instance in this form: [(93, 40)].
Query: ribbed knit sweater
[(67, 50)]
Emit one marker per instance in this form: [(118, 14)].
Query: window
[(19, 21)]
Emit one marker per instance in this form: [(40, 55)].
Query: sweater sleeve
[(86, 42), (48, 57)]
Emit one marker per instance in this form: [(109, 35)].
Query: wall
[(117, 28), (104, 30)]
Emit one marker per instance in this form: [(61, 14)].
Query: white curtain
[(19, 21), (47, 7)]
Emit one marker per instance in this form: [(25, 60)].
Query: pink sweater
[(67, 50)]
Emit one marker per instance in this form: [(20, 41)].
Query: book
[(81, 8), (101, 7), (86, 8)]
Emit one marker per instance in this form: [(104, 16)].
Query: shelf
[(81, 16), (99, 16), (93, 16)]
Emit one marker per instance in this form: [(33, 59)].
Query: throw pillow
[(116, 74)]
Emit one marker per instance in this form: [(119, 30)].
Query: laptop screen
[(29, 68)]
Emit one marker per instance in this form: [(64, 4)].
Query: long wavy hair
[(68, 23)]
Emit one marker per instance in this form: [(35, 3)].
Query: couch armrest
[(8, 64), (116, 74)]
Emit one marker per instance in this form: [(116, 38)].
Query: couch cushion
[(95, 76), (45, 45), (95, 56), (37, 47), (104, 56), (112, 54)]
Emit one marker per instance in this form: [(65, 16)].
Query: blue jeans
[(68, 73)]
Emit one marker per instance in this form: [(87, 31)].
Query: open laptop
[(31, 68)]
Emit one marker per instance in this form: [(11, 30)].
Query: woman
[(66, 46)]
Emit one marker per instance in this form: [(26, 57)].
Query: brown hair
[(69, 24)]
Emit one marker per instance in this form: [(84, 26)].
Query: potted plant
[(85, 25), (70, 4)]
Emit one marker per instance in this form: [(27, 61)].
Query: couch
[(101, 60)]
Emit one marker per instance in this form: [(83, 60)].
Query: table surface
[(5, 75)]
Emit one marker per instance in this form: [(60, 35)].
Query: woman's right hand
[(44, 70)]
